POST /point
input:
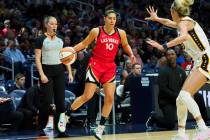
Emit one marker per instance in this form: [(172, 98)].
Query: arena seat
[(17, 96), (69, 98), (78, 116), (2, 88)]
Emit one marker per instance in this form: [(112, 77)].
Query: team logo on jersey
[(110, 40)]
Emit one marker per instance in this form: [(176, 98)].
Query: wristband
[(165, 46)]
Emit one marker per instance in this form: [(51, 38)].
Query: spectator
[(8, 114), (7, 27), (188, 64), (29, 106), (19, 83), (14, 55), (136, 71), (180, 57), (138, 58), (161, 62), (67, 41), (129, 89)]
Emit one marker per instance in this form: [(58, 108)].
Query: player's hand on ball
[(67, 55)]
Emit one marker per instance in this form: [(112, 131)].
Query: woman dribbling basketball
[(101, 67)]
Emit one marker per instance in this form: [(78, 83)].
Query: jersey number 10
[(109, 46)]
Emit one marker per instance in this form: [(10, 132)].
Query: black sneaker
[(150, 121)]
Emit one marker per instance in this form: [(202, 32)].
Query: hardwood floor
[(163, 135)]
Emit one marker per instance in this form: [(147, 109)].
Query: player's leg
[(109, 90), (185, 101), (87, 95), (90, 87)]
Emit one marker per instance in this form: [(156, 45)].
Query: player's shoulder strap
[(118, 32), (99, 31)]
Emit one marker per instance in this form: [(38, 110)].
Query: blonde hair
[(182, 7), (47, 19)]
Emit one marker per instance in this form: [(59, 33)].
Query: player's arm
[(178, 40), (126, 46), (166, 22), (182, 26), (91, 36), (154, 17)]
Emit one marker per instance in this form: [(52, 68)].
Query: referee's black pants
[(53, 91)]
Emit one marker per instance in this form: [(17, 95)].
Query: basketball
[(67, 55)]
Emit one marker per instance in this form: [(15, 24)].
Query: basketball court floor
[(118, 132), (163, 135)]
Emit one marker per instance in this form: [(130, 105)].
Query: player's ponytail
[(182, 7)]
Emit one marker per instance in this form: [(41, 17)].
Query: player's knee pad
[(180, 103), (186, 99), (183, 97)]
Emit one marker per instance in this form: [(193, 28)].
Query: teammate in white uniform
[(195, 42)]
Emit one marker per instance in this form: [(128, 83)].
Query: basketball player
[(101, 67), (195, 43), (51, 71)]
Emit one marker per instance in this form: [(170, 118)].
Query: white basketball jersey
[(198, 42)]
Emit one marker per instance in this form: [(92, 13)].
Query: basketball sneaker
[(178, 137), (63, 120), (98, 132), (202, 134), (92, 126)]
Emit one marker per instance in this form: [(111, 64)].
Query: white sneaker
[(99, 131), (178, 137), (50, 123), (202, 134), (63, 120)]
